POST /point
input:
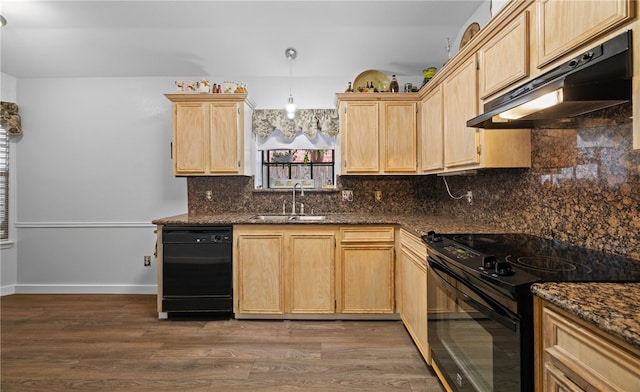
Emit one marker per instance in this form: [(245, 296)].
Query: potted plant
[(316, 156)]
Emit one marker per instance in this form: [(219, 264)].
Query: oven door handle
[(497, 311)]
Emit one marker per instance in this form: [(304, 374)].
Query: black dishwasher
[(196, 270)]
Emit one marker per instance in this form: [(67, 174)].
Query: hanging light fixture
[(290, 107)]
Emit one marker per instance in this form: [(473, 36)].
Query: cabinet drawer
[(367, 234), (413, 246), (578, 354)]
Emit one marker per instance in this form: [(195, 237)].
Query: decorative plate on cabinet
[(379, 80), (469, 33)]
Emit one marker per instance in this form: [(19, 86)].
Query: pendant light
[(290, 107)]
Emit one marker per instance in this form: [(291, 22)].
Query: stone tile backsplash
[(583, 187)]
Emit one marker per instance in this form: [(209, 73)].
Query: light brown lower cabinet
[(366, 270), (413, 290), (287, 270), (573, 355), (284, 269)]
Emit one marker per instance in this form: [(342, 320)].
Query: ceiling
[(59, 39)]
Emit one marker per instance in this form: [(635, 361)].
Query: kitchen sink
[(310, 218), (290, 218)]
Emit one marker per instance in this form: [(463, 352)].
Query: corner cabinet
[(378, 133), (209, 132), (573, 355), (413, 290)]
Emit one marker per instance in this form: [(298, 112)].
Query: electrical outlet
[(209, 195), (147, 261), (347, 195), (469, 197), (378, 196)]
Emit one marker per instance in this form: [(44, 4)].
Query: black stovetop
[(535, 259)]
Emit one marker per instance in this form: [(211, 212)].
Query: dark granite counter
[(612, 307), (417, 224)]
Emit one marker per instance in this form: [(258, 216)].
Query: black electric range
[(510, 260), (484, 343)]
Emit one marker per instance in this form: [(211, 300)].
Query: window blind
[(4, 184)]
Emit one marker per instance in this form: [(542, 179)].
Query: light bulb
[(290, 107), (546, 101)]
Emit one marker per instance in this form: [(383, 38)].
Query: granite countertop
[(612, 307), (417, 224)]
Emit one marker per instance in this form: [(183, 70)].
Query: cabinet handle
[(171, 150)]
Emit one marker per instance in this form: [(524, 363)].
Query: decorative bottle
[(349, 89), (394, 86)]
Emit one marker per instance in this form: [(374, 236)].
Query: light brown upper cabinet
[(566, 25), (432, 132), (504, 60), (209, 134), (460, 89), (378, 133)]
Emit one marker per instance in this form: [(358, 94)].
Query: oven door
[(474, 339)]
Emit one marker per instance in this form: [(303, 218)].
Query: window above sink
[(282, 169), (299, 150)]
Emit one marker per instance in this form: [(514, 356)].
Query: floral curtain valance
[(308, 121), (9, 118)]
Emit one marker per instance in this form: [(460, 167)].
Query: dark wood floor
[(116, 343)]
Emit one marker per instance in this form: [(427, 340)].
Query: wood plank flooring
[(116, 343)]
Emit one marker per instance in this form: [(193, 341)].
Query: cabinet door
[(225, 138), (367, 279), (505, 59), (565, 25), (190, 130), (578, 356), (460, 104), (311, 273), (360, 139), (260, 274), (399, 137), (413, 273), (432, 140)]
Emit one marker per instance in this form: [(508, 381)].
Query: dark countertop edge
[(611, 307), (417, 224)]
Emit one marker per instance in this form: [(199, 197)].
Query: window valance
[(307, 121), (9, 118)]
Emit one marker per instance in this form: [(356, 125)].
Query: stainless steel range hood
[(596, 79)]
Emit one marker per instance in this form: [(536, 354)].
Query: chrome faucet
[(293, 204)]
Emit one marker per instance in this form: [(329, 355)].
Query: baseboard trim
[(79, 289), (7, 290)]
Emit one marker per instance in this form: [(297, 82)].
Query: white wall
[(93, 170)]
